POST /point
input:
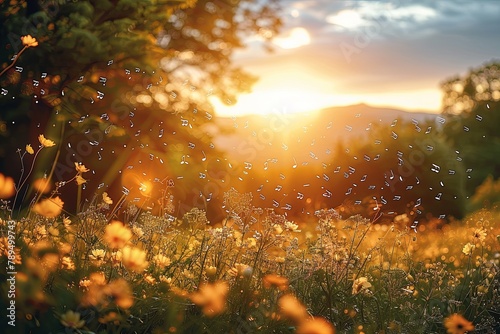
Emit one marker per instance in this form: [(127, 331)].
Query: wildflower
[(67, 263), (42, 185), (360, 284), (97, 254), (7, 188), (292, 308), (211, 298), (240, 270), (161, 260), (29, 41), (53, 231), (29, 149), (134, 259), (117, 235), (316, 325), (113, 317), (276, 281), (50, 207), (279, 259), (106, 199), (45, 142), (456, 324), (80, 180), (165, 279), (119, 291), (149, 279), (479, 234), (137, 231), (67, 222), (71, 319), (468, 249), (84, 284), (211, 271), (81, 168), (290, 226), (98, 293)]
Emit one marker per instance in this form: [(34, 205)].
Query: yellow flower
[(290, 226), (456, 324), (479, 234), (42, 185), (316, 325), (117, 235), (292, 308), (29, 149), (80, 180), (134, 259), (149, 279), (98, 293), (45, 142), (210, 271), (106, 199), (71, 319), (97, 254), (80, 168), (276, 281), (7, 188), (360, 284), (161, 260), (137, 231), (50, 207), (211, 298), (29, 41), (67, 263), (468, 249)]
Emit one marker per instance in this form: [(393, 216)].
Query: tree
[(471, 105), (405, 167), (109, 78)]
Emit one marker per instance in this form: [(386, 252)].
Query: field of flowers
[(111, 270)]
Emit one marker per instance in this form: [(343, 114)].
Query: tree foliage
[(404, 168), (472, 106), (121, 74)]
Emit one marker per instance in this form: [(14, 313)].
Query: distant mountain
[(305, 136)]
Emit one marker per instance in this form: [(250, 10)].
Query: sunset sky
[(383, 53)]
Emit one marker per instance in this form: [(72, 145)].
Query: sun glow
[(296, 38)]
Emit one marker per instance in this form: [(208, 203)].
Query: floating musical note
[(435, 168), (394, 135), (103, 80), (204, 156), (19, 69), (4, 92), (300, 195), (440, 120), (100, 95), (327, 193), (183, 160), (479, 118), (294, 163), (326, 177), (348, 191), (36, 83), (278, 187), (438, 196), (110, 62), (44, 75)]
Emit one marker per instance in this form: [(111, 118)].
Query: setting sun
[(297, 37)]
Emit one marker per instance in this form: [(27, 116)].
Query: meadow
[(254, 272)]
